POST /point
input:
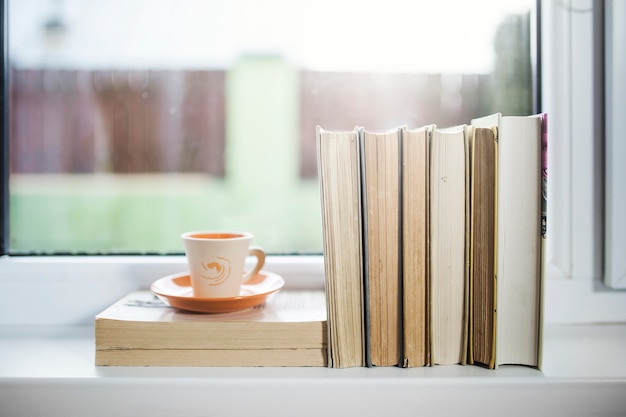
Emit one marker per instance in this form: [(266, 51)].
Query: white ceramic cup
[(217, 260)]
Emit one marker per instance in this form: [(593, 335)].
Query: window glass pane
[(132, 121)]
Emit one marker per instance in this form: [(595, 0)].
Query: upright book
[(382, 245), (415, 189), (482, 246), (448, 262), (338, 159), (519, 235), (140, 330)]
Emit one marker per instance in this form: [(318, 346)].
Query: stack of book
[(141, 330), (433, 242)]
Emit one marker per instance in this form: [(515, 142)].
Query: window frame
[(70, 290), (4, 131), (613, 103)]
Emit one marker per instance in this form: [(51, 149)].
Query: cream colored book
[(213, 357), (519, 233), (448, 268), (338, 158), (381, 167), (415, 208), (141, 330)]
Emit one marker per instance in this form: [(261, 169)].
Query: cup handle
[(260, 256)]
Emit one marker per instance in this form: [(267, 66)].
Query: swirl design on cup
[(216, 271)]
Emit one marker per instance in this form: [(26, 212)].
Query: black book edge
[(366, 297), (401, 358)]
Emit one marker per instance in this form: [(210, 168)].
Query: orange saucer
[(175, 290)]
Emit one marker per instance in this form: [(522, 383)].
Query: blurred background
[(132, 121)]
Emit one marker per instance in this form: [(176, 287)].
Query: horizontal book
[(141, 330), (213, 357)]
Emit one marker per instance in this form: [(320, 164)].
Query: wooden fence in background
[(136, 121), (382, 101), (117, 121)]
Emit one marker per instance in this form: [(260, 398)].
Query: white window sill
[(50, 371), (71, 290), (47, 352)]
